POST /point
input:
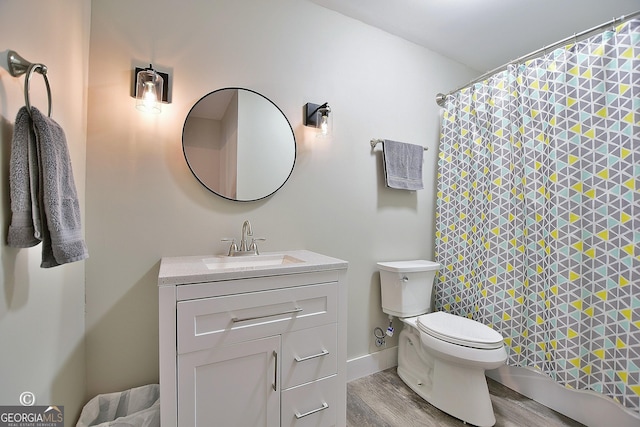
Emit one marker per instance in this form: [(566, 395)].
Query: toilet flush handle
[(405, 279)]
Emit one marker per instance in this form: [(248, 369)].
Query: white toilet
[(442, 357)]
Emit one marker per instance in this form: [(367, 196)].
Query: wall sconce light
[(317, 116), (151, 88)]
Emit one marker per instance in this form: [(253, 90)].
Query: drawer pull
[(275, 375), (302, 359), (244, 319), (322, 408)]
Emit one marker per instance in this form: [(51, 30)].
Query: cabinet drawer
[(309, 354), (229, 319), (312, 404)]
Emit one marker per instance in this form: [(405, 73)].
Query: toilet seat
[(459, 330)]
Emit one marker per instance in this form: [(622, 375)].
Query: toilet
[(441, 356)]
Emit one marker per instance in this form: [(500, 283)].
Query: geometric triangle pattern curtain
[(538, 212)]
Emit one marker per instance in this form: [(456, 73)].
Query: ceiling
[(483, 34)]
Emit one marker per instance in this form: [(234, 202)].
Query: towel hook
[(19, 66)]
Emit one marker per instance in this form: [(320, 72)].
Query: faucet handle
[(233, 248), (254, 246)]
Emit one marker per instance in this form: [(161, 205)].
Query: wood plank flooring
[(384, 400)]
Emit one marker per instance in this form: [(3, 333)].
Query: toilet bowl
[(442, 357)]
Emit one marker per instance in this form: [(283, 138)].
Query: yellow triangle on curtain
[(604, 174), (623, 375), (577, 128), (591, 253), (628, 54), (629, 249), (628, 118), (603, 112), (622, 88), (630, 184), (599, 51)]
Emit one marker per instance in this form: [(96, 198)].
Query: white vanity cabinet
[(253, 346)]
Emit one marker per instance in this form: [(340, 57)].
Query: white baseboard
[(371, 363), (590, 408)]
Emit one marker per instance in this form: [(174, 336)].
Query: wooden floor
[(382, 399)]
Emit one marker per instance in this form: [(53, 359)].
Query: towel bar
[(375, 142)]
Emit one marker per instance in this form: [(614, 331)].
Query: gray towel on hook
[(25, 227), (402, 165), (62, 233)]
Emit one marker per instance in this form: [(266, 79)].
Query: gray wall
[(143, 203), (42, 310)]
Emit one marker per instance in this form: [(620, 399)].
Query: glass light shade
[(149, 91), (324, 122)]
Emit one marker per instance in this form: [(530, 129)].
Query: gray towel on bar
[(62, 233), (402, 165), (25, 227)]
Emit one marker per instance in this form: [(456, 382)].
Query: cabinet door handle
[(244, 319), (275, 375), (302, 359), (322, 408)]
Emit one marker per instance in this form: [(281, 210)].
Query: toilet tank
[(406, 286)]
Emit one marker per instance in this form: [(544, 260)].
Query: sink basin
[(249, 262)]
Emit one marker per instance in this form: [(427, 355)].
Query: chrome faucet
[(246, 231), (245, 247)]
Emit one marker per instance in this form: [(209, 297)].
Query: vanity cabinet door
[(236, 385)]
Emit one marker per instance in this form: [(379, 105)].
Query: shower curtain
[(538, 212)]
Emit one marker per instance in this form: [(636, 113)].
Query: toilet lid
[(459, 330)]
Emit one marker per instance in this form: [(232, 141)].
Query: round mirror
[(239, 144)]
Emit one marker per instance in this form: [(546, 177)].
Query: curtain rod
[(440, 98)]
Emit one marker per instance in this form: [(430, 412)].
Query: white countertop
[(193, 269)]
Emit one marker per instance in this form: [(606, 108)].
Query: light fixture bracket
[(310, 116)]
